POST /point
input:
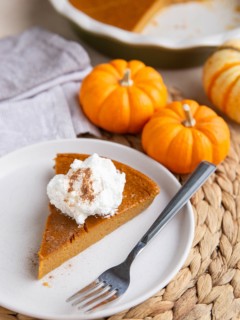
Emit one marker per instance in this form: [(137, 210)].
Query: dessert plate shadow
[(24, 207)]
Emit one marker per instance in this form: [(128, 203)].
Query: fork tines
[(93, 296)]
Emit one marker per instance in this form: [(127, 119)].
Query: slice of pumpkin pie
[(90, 197)]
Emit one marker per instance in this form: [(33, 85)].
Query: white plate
[(23, 179)]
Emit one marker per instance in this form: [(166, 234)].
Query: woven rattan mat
[(208, 285)]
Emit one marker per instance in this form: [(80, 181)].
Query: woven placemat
[(208, 285)]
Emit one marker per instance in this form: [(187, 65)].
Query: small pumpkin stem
[(126, 80), (190, 121)]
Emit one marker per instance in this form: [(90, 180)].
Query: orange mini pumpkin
[(221, 79), (121, 96), (183, 134)]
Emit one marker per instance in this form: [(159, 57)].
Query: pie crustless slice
[(63, 238)]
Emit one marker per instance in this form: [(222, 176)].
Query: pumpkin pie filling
[(128, 15), (63, 238)]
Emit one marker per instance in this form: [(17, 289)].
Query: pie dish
[(183, 35), (63, 238)]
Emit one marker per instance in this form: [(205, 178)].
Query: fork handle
[(193, 183)]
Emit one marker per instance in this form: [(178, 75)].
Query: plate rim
[(117, 309), (93, 26)]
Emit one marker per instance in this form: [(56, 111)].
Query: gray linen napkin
[(40, 77)]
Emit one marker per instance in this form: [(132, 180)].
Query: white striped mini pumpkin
[(221, 79)]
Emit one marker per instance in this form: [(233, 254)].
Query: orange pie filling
[(64, 238)]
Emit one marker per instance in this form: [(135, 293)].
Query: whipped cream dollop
[(91, 187)]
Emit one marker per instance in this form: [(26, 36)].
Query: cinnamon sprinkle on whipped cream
[(91, 187)]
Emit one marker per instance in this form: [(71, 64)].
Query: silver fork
[(112, 283)]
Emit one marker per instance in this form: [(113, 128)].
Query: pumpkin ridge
[(113, 65), (84, 102), (138, 70), (102, 68), (130, 102), (200, 122), (107, 73), (213, 139), (178, 132), (217, 74), (203, 133), (157, 76), (176, 137), (147, 94), (154, 131), (141, 83), (228, 93), (200, 117), (101, 105), (111, 78), (195, 133)]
